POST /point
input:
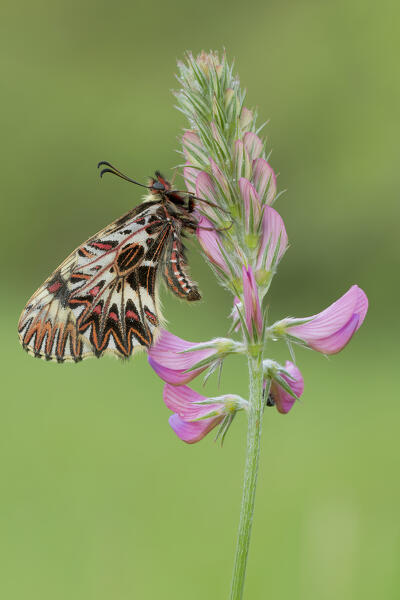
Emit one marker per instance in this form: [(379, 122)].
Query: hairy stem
[(256, 409)]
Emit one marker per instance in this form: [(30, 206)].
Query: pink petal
[(167, 352), (361, 307), (210, 241), (250, 199), (273, 232), (181, 400), (330, 330), (333, 318), (264, 180), (253, 145), (338, 340), (173, 376), (193, 432)]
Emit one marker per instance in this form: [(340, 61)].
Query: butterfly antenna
[(110, 169)]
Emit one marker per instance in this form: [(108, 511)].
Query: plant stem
[(256, 408)]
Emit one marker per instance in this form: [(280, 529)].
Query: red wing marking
[(54, 287)]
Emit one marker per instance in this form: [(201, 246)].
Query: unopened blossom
[(210, 242), (273, 245), (196, 415), (264, 180), (253, 145), (330, 330), (206, 190), (252, 210), (278, 395), (241, 160), (245, 119), (178, 361), (251, 302)]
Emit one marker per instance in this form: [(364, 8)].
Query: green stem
[(256, 408)]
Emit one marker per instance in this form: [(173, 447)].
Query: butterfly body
[(103, 298)]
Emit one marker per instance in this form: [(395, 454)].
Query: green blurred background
[(99, 499)]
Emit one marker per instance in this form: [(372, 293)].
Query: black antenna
[(115, 171)]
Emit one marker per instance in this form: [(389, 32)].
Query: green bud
[(263, 277)]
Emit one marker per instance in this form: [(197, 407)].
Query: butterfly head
[(159, 184)]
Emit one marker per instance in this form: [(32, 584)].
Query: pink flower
[(178, 361), (281, 397), (251, 302), (330, 330), (192, 421)]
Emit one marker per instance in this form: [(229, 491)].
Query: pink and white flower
[(178, 361), (330, 330)]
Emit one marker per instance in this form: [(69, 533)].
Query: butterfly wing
[(102, 298)]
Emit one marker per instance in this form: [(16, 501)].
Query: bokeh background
[(98, 498)]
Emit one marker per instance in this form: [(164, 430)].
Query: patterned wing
[(102, 298)]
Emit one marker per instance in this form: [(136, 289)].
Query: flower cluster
[(243, 237)]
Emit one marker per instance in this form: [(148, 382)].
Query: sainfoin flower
[(178, 361), (196, 415), (330, 330)]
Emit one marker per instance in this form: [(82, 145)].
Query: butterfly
[(103, 299)]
